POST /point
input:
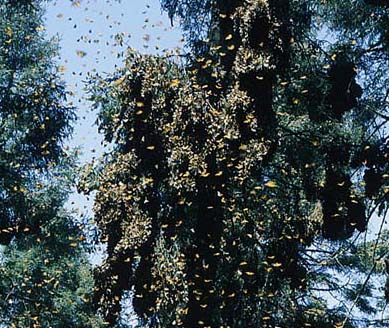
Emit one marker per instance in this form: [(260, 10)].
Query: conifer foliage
[(34, 119), (45, 278), (239, 174)]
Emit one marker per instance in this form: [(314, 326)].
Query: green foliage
[(34, 119), (238, 177), (45, 278)]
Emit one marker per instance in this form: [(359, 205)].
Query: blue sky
[(89, 29), (86, 37)]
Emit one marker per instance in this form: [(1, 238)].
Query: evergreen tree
[(239, 175), (34, 119), (44, 273)]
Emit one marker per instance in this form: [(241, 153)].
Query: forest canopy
[(246, 181)]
